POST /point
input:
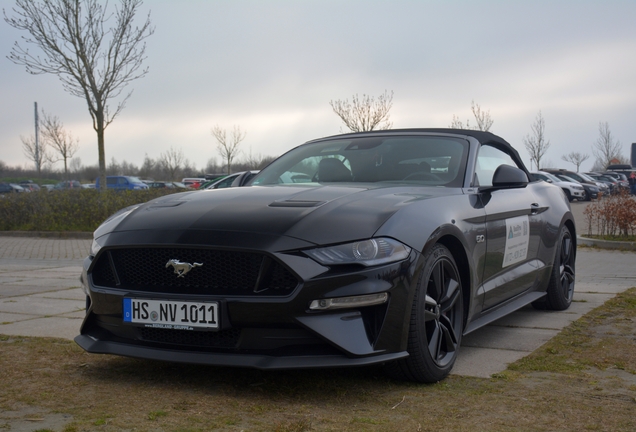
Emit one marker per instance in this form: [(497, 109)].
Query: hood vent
[(297, 203)]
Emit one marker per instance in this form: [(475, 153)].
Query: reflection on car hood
[(320, 215)]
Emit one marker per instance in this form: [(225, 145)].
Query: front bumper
[(267, 332)]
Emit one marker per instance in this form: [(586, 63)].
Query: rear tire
[(561, 285), (436, 321)]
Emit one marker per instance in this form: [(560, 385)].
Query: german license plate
[(178, 315)]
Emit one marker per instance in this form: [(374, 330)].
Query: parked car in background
[(572, 190), (123, 183), (621, 178), (10, 188), (233, 180), (611, 182), (29, 185), (179, 185), (193, 182), (67, 184), (624, 169), (158, 184), (88, 185), (403, 242), (602, 186), (16, 187), (591, 189)]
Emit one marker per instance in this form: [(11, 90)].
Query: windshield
[(551, 177), (568, 179), (427, 160), (586, 177)]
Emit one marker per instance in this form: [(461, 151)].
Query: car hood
[(310, 214)]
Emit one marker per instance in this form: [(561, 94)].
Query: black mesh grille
[(223, 339), (220, 272)]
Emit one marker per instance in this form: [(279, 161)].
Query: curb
[(606, 244)]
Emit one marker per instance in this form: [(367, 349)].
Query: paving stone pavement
[(40, 295)]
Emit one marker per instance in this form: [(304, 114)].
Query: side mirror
[(507, 177)]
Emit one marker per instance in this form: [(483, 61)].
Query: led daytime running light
[(349, 302)]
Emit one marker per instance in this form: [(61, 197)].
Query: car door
[(513, 232)]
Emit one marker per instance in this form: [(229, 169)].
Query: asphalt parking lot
[(40, 295)]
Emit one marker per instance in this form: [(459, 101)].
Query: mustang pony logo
[(181, 268)]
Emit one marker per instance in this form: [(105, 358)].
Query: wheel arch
[(456, 248)]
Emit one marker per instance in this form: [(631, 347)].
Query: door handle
[(534, 208)]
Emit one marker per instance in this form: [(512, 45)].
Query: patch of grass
[(366, 420), (301, 425), (154, 415), (583, 379), (101, 421)]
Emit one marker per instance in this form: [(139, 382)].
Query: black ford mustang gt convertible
[(368, 248)]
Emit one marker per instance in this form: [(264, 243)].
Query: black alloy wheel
[(436, 321)]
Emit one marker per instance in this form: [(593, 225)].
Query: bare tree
[(228, 148), (212, 167), (536, 144), (365, 114), (576, 158), (93, 62), (75, 166), (483, 119), (172, 162), (148, 167), (606, 147), (458, 124), (60, 140), (35, 151)]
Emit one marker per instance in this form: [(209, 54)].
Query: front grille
[(222, 339), (220, 273)]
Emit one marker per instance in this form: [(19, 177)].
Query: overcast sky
[(272, 66)]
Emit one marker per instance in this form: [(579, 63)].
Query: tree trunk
[(101, 156)]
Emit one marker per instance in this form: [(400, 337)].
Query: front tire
[(436, 321)]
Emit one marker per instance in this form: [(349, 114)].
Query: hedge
[(69, 210)]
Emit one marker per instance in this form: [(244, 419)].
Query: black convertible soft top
[(481, 136)]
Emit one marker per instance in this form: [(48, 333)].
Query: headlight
[(366, 252), (95, 247)]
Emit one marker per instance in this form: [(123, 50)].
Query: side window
[(226, 183), (488, 160), (111, 181)]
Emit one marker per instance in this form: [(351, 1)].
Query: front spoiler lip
[(241, 360)]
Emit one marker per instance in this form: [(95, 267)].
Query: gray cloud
[(273, 67)]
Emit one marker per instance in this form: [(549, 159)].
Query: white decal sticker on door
[(517, 238)]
